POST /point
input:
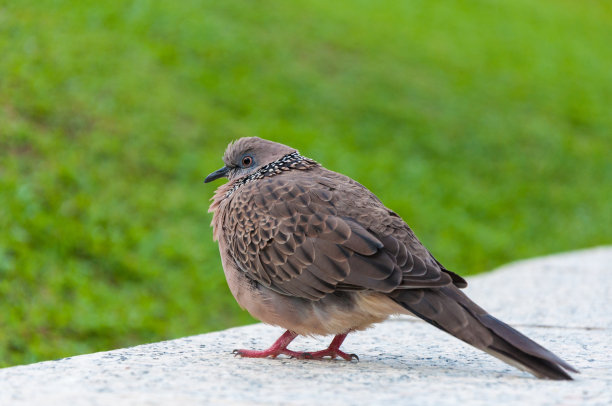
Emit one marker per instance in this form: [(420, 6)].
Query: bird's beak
[(220, 173)]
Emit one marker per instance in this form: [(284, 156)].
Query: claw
[(280, 347)]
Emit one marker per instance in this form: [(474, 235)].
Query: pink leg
[(280, 347), (333, 350)]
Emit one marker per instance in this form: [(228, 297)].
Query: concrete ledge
[(561, 301)]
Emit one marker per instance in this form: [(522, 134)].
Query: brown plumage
[(315, 252)]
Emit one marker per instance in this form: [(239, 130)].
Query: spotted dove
[(316, 253)]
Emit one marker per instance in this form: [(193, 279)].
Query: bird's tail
[(453, 312)]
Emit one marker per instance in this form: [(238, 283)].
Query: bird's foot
[(318, 355), (333, 351), (329, 352), (270, 352), (280, 348)]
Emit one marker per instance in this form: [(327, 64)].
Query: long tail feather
[(452, 311)]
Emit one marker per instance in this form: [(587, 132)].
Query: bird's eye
[(247, 161)]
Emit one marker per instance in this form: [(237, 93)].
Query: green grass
[(487, 125)]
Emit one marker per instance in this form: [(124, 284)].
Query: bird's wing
[(300, 237)]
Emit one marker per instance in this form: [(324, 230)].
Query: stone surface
[(561, 301)]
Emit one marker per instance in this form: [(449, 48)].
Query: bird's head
[(247, 155)]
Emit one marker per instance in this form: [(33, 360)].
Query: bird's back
[(324, 232)]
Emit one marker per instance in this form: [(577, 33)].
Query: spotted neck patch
[(286, 163)]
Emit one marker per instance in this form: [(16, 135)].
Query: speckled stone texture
[(561, 301)]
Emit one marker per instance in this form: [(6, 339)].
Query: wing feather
[(310, 239)]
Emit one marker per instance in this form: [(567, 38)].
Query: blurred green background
[(486, 124)]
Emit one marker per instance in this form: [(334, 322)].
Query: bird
[(318, 254)]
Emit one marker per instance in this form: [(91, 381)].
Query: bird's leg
[(279, 347), (333, 350)]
